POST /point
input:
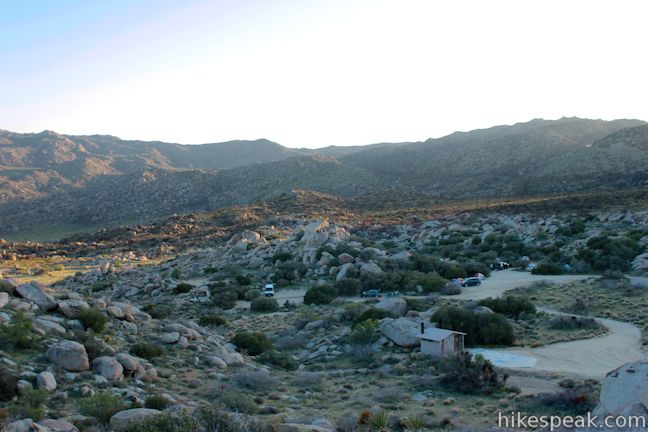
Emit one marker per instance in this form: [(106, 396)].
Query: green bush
[(605, 253), (18, 334), (364, 333), (288, 272), (30, 404), (239, 402), (8, 384), (472, 268), (176, 273), (276, 358), (222, 296), (212, 320), (281, 256), (93, 319), (102, 406), (158, 311), (146, 350), (264, 304), (349, 287), (547, 268), (470, 374), (417, 304), (511, 306), (480, 328), (157, 402), (243, 279), (320, 295), (431, 282), (254, 343), (371, 314), (182, 288)]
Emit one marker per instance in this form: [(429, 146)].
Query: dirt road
[(587, 358)]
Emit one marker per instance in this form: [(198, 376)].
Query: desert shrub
[(349, 287), (8, 287), (244, 280), (288, 342), (93, 319), (547, 268), (570, 322), (8, 384), (18, 334), (212, 320), (264, 304), (146, 350), (511, 306), (281, 256), (417, 304), (251, 294), (431, 282), (279, 359), (604, 253), (581, 307), (451, 289), (30, 404), (351, 311), (102, 406), (176, 273), (480, 328), (309, 380), (222, 296), (372, 314), (182, 288), (238, 401), (579, 398), (254, 343), (203, 419), (466, 373), (158, 311), (288, 272), (320, 295), (472, 268), (364, 333), (157, 402), (255, 379)]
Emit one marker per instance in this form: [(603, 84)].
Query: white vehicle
[(268, 291)]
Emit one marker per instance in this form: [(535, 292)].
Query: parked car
[(370, 294), (500, 265), (392, 294), (268, 291), (471, 281)]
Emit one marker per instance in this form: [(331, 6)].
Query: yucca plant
[(414, 423), (379, 422)]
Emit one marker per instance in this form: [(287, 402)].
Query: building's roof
[(438, 334)]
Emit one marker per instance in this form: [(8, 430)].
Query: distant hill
[(48, 179)]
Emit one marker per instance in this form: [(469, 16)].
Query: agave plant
[(379, 422)]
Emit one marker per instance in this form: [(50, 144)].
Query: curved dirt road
[(587, 358)]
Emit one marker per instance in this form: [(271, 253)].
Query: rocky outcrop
[(624, 391)]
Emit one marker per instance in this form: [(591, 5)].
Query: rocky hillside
[(49, 179)]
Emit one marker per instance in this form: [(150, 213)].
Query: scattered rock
[(36, 293), (121, 421), (45, 380), (394, 305), (108, 367)]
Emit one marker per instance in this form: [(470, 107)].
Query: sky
[(312, 73)]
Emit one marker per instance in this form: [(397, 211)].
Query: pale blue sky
[(314, 73)]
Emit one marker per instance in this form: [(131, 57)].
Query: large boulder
[(640, 263), (4, 299), (72, 308), (370, 267), (58, 425), (108, 367), (128, 361), (36, 293), (394, 305), (345, 258), (45, 380), (49, 327), (69, 355), (402, 331), (125, 419), (625, 391), (344, 270), (315, 235)]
